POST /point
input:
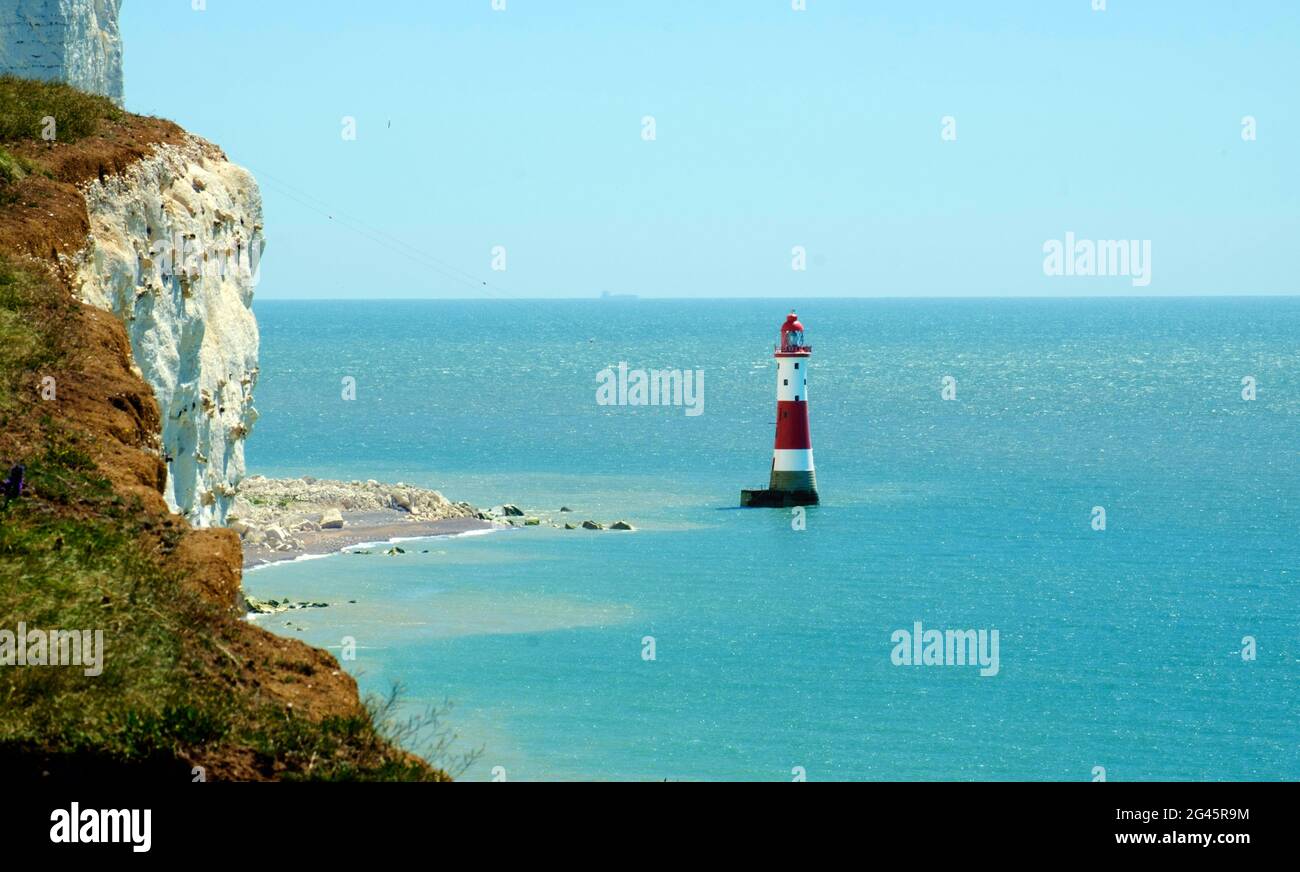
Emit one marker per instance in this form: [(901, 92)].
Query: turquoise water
[(1118, 648)]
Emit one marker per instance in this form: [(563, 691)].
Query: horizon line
[(639, 298)]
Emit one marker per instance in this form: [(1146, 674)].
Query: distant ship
[(606, 295)]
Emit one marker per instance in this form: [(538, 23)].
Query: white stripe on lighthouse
[(791, 383), (792, 459)]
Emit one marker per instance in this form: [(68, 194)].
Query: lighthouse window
[(796, 364), (785, 381)]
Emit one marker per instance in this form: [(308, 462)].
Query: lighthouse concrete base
[(777, 499)]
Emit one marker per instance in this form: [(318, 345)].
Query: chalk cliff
[(174, 242), (73, 41), (174, 247), (128, 354)]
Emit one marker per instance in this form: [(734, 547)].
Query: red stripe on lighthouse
[(792, 425)]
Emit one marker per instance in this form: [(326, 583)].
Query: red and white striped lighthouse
[(794, 478)]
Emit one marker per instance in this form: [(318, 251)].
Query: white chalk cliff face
[(174, 247), (173, 250), (73, 41)]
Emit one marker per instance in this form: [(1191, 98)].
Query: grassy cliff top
[(26, 104), (89, 544), (48, 112)]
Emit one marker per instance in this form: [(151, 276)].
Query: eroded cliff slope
[(89, 542)]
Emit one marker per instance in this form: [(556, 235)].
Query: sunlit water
[(1118, 648)]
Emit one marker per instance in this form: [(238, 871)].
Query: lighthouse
[(794, 480)]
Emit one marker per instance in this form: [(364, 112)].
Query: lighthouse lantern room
[(794, 479)]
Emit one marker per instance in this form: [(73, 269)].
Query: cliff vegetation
[(188, 689)]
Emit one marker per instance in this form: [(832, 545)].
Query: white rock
[(331, 519), (190, 321), (73, 41)]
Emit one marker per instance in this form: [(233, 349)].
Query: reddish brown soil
[(47, 216), (100, 396)]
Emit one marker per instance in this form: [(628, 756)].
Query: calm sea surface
[(772, 646)]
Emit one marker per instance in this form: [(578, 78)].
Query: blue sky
[(774, 128)]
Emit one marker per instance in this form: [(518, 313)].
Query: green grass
[(310, 751), (27, 347), (14, 167), (26, 103), (76, 555), (71, 558)]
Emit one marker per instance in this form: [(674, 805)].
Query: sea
[(1108, 487)]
